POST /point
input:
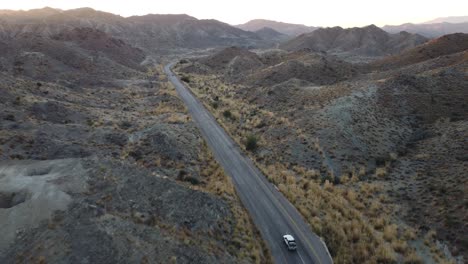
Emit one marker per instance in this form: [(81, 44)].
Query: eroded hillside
[(355, 44), (100, 162), (361, 151), (160, 34)]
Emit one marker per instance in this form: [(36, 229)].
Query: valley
[(165, 138), (348, 133)]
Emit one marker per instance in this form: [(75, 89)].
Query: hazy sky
[(313, 13)]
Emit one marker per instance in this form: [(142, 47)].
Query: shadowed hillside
[(445, 45)]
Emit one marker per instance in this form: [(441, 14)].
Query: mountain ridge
[(282, 27), (152, 32), (450, 19), (430, 30), (369, 41)]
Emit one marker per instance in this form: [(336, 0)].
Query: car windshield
[(292, 243)]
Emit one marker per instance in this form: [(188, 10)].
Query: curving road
[(271, 212)]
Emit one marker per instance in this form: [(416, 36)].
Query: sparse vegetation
[(251, 143), (245, 241), (227, 114), (354, 216)]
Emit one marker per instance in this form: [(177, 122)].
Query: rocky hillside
[(366, 41), (375, 142), (156, 33), (284, 28), (269, 34), (273, 67), (101, 163), (446, 45), (95, 40), (79, 55)]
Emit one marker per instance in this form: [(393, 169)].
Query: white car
[(290, 242)]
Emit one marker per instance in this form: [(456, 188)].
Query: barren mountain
[(273, 67), (271, 35), (432, 30), (99, 160), (80, 55), (157, 33), (285, 28), (444, 45), (366, 41), (95, 40)]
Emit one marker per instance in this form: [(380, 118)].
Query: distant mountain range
[(452, 19), (168, 34), (284, 28), (433, 28), (156, 33), (429, 30), (367, 41)]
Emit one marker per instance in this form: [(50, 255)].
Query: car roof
[(289, 237)]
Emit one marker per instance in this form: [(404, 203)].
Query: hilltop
[(445, 45), (367, 41), (284, 28), (272, 67)]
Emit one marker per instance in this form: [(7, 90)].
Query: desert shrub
[(185, 79), (385, 255), (390, 232), (381, 172), (400, 246), (227, 114), (215, 105), (181, 175), (192, 179), (251, 143), (380, 161), (17, 101), (125, 125), (9, 117), (136, 154), (413, 258)]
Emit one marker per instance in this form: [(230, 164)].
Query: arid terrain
[(364, 130), (100, 162), (371, 154)]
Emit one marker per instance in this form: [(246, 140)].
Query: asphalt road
[(271, 212)]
